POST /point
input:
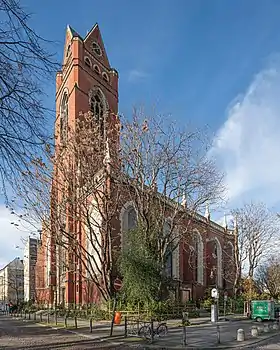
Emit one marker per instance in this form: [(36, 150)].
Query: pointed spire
[(207, 212), (225, 222), (235, 226), (184, 201)]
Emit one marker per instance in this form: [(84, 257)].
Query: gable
[(94, 44)]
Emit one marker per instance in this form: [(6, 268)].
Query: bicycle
[(146, 331)]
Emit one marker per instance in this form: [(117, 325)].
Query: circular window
[(96, 49)]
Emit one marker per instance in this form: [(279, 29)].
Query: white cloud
[(247, 145), (136, 75), (11, 238)]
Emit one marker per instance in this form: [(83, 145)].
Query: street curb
[(239, 345)]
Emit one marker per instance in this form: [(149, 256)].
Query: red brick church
[(87, 81)]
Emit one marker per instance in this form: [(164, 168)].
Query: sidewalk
[(202, 335)]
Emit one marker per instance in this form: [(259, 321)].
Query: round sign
[(117, 284), (214, 293)]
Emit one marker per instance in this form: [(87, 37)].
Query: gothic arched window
[(199, 264), (96, 106), (129, 222), (64, 118), (131, 219), (169, 251)]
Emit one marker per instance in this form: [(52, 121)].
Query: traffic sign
[(117, 284), (214, 293)]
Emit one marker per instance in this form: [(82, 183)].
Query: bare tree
[(163, 170), (268, 276), (256, 229), (169, 178), (25, 67)]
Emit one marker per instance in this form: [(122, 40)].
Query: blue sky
[(212, 62)]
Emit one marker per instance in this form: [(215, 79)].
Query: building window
[(129, 222), (96, 106), (96, 49), (96, 68), (87, 62), (131, 219), (64, 118), (105, 77), (199, 263), (68, 51), (169, 251)]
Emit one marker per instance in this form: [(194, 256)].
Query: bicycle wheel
[(162, 330), (145, 332)]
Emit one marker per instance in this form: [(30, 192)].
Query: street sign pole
[(113, 314), (225, 303), (117, 286)]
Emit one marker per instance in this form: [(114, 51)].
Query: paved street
[(17, 334), (270, 344), (20, 334)]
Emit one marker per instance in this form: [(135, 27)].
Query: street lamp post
[(215, 295)]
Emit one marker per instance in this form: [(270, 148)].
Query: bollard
[(265, 328), (48, 318), (240, 335), (184, 323), (29, 316), (41, 317), (260, 329), (152, 330), (75, 322), (125, 326), (275, 326), (90, 325), (254, 331), (65, 321), (218, 334), (34, 316), (55, 316)]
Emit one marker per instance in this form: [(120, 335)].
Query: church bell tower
[(86, 83)]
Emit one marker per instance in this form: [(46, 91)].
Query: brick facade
[(195, 265)]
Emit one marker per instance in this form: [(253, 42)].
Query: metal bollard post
[(75, 322), (184, 323), (125, 326), (65, 321), (55, 315), (48, 318), (90, 325), (218, 334), (34, 316), (152, 330), (29, 316)]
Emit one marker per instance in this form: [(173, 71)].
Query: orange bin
[(118, 317)]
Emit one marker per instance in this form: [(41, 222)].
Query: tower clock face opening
[(96, 49)]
